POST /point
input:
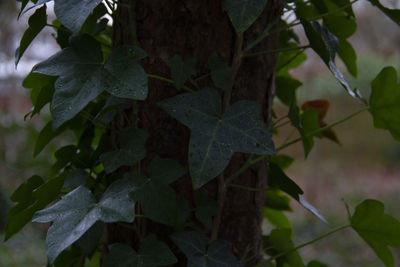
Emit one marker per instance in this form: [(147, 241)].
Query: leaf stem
[(287, 49), (320, 130), (308, 243), (163, 79)]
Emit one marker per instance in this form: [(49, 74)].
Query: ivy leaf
[(45, 136), (77, 211), (215, 137), (73, 13), (348, 55), (82, 76), (393, 14), (132, 149), (277, 218), (315, 263), (199, 253), (243, 13), (220, 72), (281, 241), (285, 88), (384, 102), (75, 178), (378, 229), (36, 23), (181, 70), (278, 179), (152, 253), (31, 196), (326, 44), (157, 199), (206, 208)]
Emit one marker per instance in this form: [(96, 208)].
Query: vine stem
[(323, 128), (308, 243), (163, 79), (287, 49), (260, 158), (236, 62)]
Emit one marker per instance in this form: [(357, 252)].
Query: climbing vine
[(106, 178)]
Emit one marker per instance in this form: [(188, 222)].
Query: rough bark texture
[(193, 28)]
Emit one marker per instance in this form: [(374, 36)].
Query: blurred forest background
[(365, 165)]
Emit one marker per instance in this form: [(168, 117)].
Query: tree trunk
[(193, 28)]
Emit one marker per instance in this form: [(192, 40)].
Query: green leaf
[(348, 55), (385, 102), (378, 229), (297, 122), (326, 44), (220, 72), (132, 149), (75, 178), (181, 70), (90, 240), (157, 199), (393, 14), (315, 263), (281, 241), (206, 208), (278, 179), (277, 218), (152, 253), (73, 13), (31, 196), (36, 23), (281, 160), (215, 137), (243, 13), (277, 200), (82, 76), (45, 136), (196, 249), (285, 88), (77, 211)]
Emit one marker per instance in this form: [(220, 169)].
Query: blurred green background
[(365, 165)]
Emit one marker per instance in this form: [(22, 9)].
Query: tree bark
[(193, 28)]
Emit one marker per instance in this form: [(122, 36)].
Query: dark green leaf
[(220, 72), (73, 13), (278, 179), (385, 101), (315, 263), (36, 23), (281, 241), (215, 137), (181, 70), (393, 14), (325, 44), (277, 200), (277, 218), (152, 253), (348, 55), (281, 160), (75, 178), (82, 76), (45, 136), (243, 13), (132, 149), (206, 208), (77, 211), (285, 88), (157, 199), (296, 121), (199, 253), (90, 240), (31, 196), (378, 229)]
